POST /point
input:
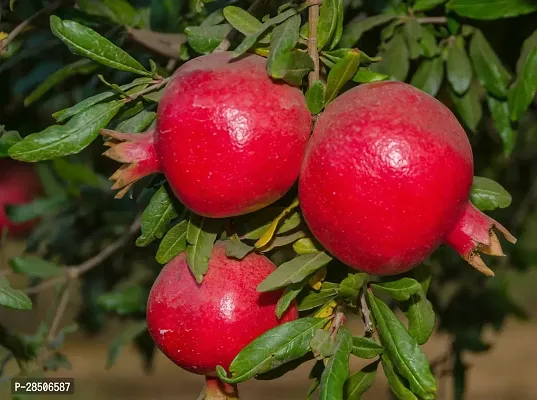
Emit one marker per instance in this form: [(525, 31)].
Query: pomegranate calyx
[(473, 234), (136, 152)]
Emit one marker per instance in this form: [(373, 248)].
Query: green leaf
[(294, 271), (62, 115), (351, 285), (428, 44), (500, 114), (35, 267), (292, 67), (361, 381), (523, 92), (365, 75), (468, 106), (396, 383), (423, 274), (204, 39), (492, 9), (421, 317), (413, 33), (342, 72), (305, 246), (125, 300), (156, 217), (173, 243), (278, 346), (284, 39), (364, 347), (242, 21), (459, 68), (429, 75), (165, 15), (322, 344), (354, 30), (7, 139), (137, 123), (125, 337), (337, 369), (200, 235), (13, 298), (395, 59), (425, 5), (402, 350), (529, 44), (288, 296), (71, 138), (328, 18), (85, 42), (76, 174), (283, 240), (118, 11), (338, 32), (315, 97), (255, 227), (400, 289), (315, 299), (81, 67), (250, 40), (37, 208), (488, 67), (237, 249), (488, 195)]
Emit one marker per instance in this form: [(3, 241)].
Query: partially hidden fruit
[(19, 184), (228, 139), (386, 180), (201, 326)]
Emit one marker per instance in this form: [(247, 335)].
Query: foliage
[(105, 63)]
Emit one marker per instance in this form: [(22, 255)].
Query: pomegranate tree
[(228, 139), (202, 326), (19, 184), (386, 180)]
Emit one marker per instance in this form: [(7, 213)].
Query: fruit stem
[(313, 22), (215, 389)]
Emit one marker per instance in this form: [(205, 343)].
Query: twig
[(19, 28), (166, 44), (366, 313), (74, 272), (313, 22), (339, 319), (151, 88), (432, 20), (60, 311)]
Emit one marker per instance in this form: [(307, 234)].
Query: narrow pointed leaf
[(305, 246), (459, 69), (364, 347), (365, 75), (204, 39), (322, 344), (85, 42), (400, 289), (156, 217), (421, 317), (360, 382), (338, 32), (492, 9), (291, 292), (429, 76), (294, 271), (328, 15), (35, 267), (395, 59), (354, 30), (397, 385), (138, 123), (292, 67), (403, 350), (343, 71), (424, 5), (523, 92), (315, 97), (273, 226), (71, 138), (529, 44), (13, 298), (272, 349), (7, 139), (173, 243), (201, 234), (337, 369), (500, 113), (237, 249), (488, 195), (468, 106), (351, 285), (284, 38), (37, 208), (318, 298), (244, 22)]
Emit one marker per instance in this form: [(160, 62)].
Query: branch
[(19, 28), (74, 272), (166, 44), (313, 22), (432, 20), (366, 313), (157, 85)]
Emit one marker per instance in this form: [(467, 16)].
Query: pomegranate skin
[(230, 140), (201, 326), (386, 176), (19, 184)]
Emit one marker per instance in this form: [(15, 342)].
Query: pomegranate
[(201, 326), (19, 184), (228, 139), (386, 180)]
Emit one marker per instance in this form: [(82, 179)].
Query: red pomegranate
[(386, 180), (228, 139), (201, 326), (19, 184)]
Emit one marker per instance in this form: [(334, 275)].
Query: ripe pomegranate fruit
[(228, 139), (386, 180), (19, 184), (201, 326)]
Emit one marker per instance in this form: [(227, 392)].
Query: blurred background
[(486, 327)]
